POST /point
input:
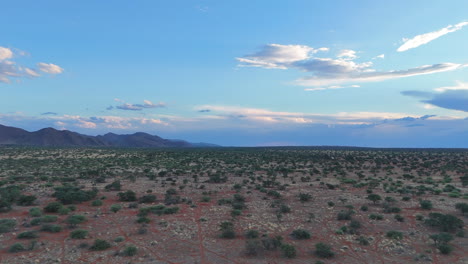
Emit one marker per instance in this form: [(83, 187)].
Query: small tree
[(374, 197), (441, 238)]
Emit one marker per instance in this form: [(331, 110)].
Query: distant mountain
[(64, 138)]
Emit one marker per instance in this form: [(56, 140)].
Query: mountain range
[(64, 138)]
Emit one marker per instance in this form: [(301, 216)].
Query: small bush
[(375, 217), (26, 200), (16, 247), (395, 235), (445, 249), (79, 234), (128, 196), (100, 244), (301, 234), (96, 203), (28, 235), (49, 218), (130, 251), (425, 204), (7, 225), (289, 251), (251, 234), (150, 198), (323, 250), (74, 220), (53, 207), (115, 208), (51, 228), (252, 247), (35, 212), (345, 215)]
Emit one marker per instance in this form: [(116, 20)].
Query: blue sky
[(243, 73)]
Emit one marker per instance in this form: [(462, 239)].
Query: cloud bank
[(452, 97)]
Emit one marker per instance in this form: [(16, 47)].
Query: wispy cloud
[(10, 69), (137, 107), (428, 37), (49, 113), (49, 68), (331, 71), (451, 97)]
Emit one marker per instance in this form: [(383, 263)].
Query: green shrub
[(150, 198), (445, 222), (16, 247), (68, 194), (323, 250), (79, 234), (51, 228), (100, 244), (251, 234), (35, 212), (7, 225), (53, 207), (36, 221), (395, 235), (130, 251), (252, 247), (375, 217), (289, 251), (28, 235), (425, 204), (115, 208), (128, 196), (345, 215), (63, 211), (49, 218), (300, 234), (26, 200), (445, 249), (96, 203), (74, 220), (143, 219)]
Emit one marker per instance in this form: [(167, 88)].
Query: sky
[(240, 73)]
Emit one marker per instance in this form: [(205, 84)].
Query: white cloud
[(49, 68), (347, 54), (5, 53), (277, 56), (332, 71), (9, 69), (381, 56), (459, 86), (321, 79), (428, 37)]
